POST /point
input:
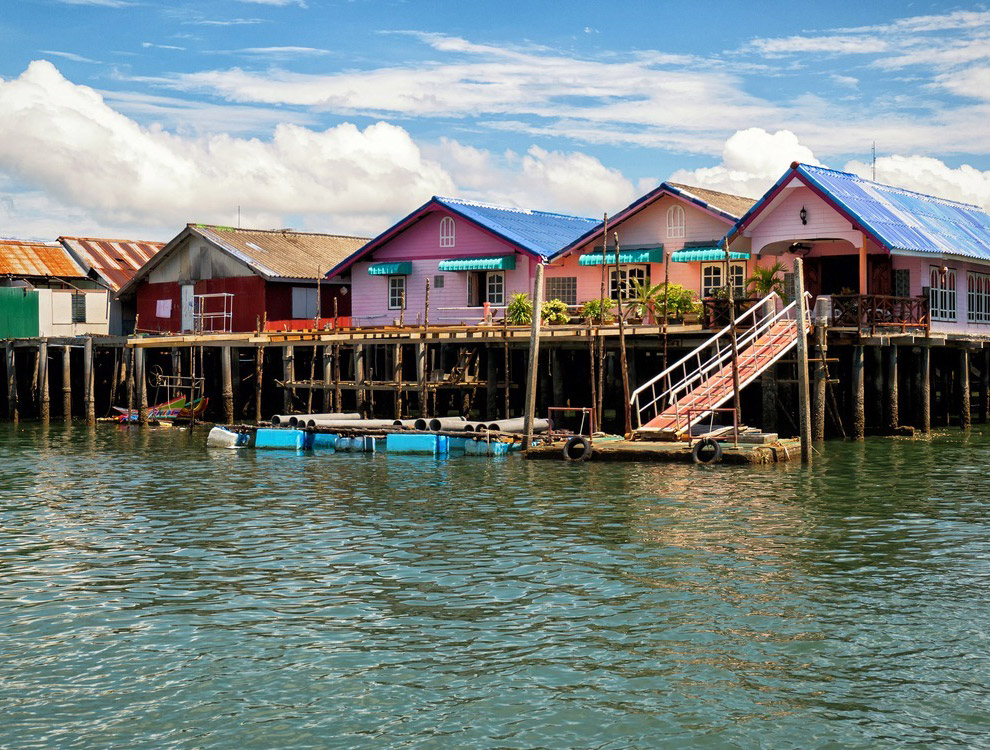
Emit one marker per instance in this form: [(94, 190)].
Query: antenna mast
[(874, 161)]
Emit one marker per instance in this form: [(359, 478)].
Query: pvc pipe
[(278, 419), (406, 423), (518, 425), (351, 424), (444, 423), (303, 419)]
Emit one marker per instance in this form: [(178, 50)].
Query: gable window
[(978, 297), (78, 307), (675, 222), (563, 288), (942, 294), (446, 232), (485, 286), (627, 275), (712, 279), (396, 292)]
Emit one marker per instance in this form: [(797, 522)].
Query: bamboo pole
[(624, 362), (426, 306), (44, 410), (421, 377), (534, 357), (804, 407), (600, 361)]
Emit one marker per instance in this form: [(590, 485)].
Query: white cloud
[(99, 3), (931, 176), (279, 3), (286, 52), (752, 160), (68, 56), (75, 156), (152, 45)]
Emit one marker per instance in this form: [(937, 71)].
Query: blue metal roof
[(902, 219), (542, 233)]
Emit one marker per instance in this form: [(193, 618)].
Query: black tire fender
[(706, 451), (577, 448)]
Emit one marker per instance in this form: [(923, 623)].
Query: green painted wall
[(18, 313)]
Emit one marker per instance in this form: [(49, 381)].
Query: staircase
[(686, 392)]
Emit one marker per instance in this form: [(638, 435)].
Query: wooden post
[(67, 383), (359, 363), (591, 373), (557, 378), (802, 331), (965, 411), (130, 381), (12, 412), (925, 389), (534, 357), (424, 410), (874, 378), (862, 266), (312, 377), (397, 377), (768, 386), (858, 394), (327, 377), (288, 374), (228, 384), (259, 373), (337, 399), (804, 406), (140, 372), (426, 306), (985, 387), (508, 365), (44, 410), (623, 360), (89, 384), (818, 392), (893, 407)]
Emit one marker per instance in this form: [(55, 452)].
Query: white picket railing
[(696, 369)]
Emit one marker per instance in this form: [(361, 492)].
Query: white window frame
[(977, 297), (942, 294), (447, 232), (495, 287), (737, 270), (396, 292), (563, 288), (640, 271), (675, 222)]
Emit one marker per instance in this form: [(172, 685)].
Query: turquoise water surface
[(156, 594)]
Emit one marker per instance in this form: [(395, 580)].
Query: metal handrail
[(702, 370)]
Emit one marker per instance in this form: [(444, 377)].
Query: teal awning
[(642, 255), (704, 254), (494, 263), (398, 268)]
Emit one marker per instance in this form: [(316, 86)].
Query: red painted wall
[(249, 292), (147, 307), (328, 294)]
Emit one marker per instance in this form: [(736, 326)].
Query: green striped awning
[(641, 255), (398, 268), (494, 263), (704, 254)]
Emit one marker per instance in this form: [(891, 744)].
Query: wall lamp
[(804, 215)]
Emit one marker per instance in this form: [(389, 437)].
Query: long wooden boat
[(167, 410)]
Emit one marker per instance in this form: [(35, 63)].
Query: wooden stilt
[(858, 395), (557, 376), (338, 405), (424, 408), (397, 377), (507, 369), (768, 386), (327, 377), (804, 404), (893, 409), (288, 373), (818, 391), (44, 410), (12, 412), (129, 353), (259, 373), (985, 387), (965, 411), (312, 377), (228, 384), (925, 390), (89, 384), (67, 383), (141, 374), (534, 358), (359, 366)]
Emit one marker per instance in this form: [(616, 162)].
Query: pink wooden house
[(472, 256), (885, 258), (674, 230)]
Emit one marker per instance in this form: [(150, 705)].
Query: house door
[(186, 301)]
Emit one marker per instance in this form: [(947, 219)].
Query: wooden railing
[(715, 311), (878, 313)]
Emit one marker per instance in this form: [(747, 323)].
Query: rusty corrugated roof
[(23, 258), (284, 253), (116, 261)]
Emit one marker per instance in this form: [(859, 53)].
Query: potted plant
[(519, 311), (594, 311), (766, 279), (554, 313)]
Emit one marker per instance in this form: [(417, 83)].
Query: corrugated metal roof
[(905, 220), (116, 261), (23, 258), (540, 232), (284, 253)]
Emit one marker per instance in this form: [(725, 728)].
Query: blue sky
[(130, 118)]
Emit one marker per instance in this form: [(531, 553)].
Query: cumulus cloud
[(752, 160), (68, 148)]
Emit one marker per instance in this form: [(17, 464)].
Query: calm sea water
[(156, 594)]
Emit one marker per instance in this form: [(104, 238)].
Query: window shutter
[(902, 282), (789, 290), (78, 308)]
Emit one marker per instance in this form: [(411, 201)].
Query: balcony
[(878, 313)]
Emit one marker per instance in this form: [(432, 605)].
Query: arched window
[(675, 222), (446, 232)]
